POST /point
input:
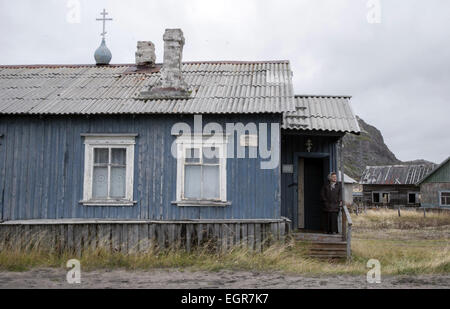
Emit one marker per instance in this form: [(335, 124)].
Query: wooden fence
[(141, 236)]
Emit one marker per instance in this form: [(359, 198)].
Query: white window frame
[(123, 141), (440, 198), (185, 142)]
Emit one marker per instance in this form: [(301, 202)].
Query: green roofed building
[(435, 187)]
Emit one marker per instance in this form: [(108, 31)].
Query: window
[(445, 198), (375, 197), (108, 170), (413, 197), (201, 171), (381, 197)]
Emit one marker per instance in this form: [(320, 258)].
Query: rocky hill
[(368, 149)]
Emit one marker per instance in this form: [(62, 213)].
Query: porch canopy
[(311, 148), (322, 113)]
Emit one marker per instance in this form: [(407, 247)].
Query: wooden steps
[(328, 250), (318, 237), (324, 246)]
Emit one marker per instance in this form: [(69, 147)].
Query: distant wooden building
[(349, 184), (435, 187), (393, 185)]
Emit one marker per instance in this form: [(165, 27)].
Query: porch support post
[(341, 176), (341, 168)]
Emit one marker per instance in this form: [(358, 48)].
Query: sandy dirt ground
[(178, 279)]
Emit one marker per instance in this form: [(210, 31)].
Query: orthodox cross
[(104, 19)]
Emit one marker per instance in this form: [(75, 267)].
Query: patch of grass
[(289, 258), (398, 243), (408, 245), (23, 260), (397, 258), (409, 220)]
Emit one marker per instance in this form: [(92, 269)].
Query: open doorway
[(311, 177)]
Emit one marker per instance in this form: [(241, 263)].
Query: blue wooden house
[(147, 152)]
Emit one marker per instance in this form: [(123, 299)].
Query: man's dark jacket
[(331, 198)]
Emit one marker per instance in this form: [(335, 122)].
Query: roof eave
[(433, 171)]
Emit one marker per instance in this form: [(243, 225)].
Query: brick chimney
[(172, 84), (145, 54), (173, 55)]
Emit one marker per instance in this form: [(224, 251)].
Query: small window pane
[(118, 177), (211, 155), (211, 182), (412, 198), (118, 156), (192, 184), (445, 198), (192, 155), (101, 155), (100, 182)]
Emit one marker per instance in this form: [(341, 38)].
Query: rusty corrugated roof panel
[(217, 87), (322, 113), (395, 174)]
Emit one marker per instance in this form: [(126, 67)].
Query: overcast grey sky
[(398, 70)]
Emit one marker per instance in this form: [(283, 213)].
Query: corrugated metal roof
[(217, 87), (395, 174), (322, 113), (347, 179)]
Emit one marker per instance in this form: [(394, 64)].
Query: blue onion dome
[(102, 54)]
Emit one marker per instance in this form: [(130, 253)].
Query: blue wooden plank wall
[(42, 163), (291, 144)]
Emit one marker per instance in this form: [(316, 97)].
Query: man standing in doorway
[(331, 196)]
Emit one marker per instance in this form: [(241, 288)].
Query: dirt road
[(178, 279)]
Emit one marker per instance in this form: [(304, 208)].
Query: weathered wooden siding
[(42, 162), (436, 182), (296, 143), (441, 175), (134, 236), (429, 193), (398, 194)]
